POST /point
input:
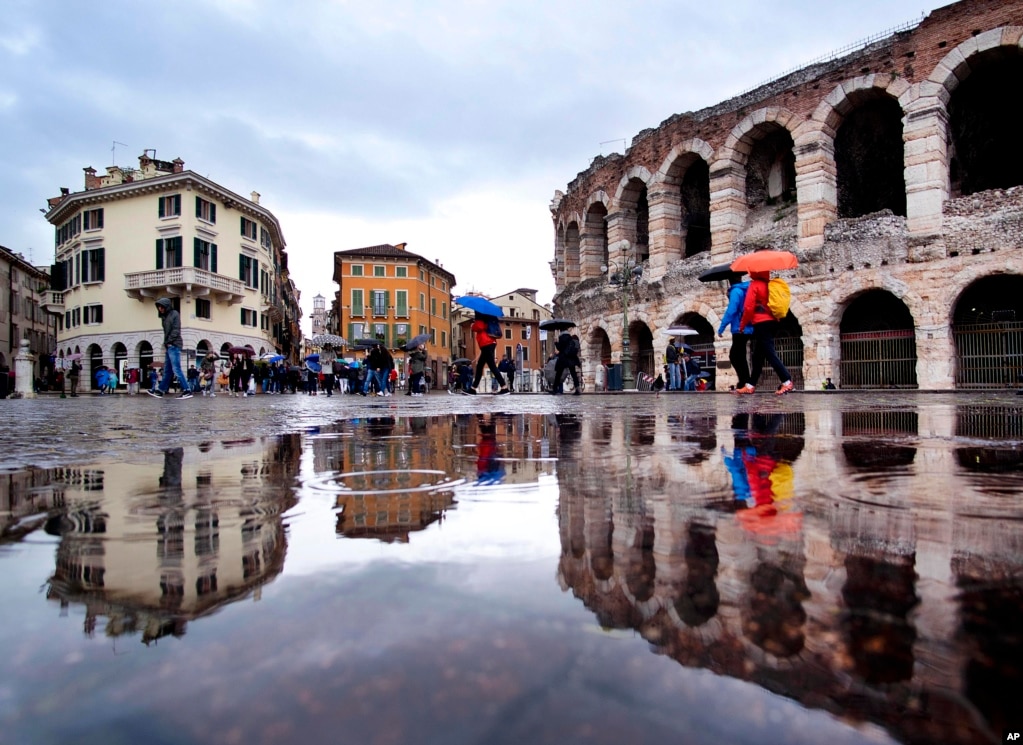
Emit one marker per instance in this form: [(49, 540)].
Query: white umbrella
[(681, 331), (328, 340)]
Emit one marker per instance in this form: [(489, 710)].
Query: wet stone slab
[(603, 569)]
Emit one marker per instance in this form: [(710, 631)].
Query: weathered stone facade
[(889, 172)]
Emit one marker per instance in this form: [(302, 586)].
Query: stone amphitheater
[(894, 172)]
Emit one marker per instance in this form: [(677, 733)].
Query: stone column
[(926, 173), (816, 187), (727, 208), (665, 201), (24, 375)]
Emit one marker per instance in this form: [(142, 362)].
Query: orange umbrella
[(765, 261)]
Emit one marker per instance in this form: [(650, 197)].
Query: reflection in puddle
[(866, 565), (150, 549)]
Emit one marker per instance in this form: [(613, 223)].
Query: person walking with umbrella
[(487, 345), (417, 365), (765, 326), (172, 344), (568, 357), (741, 336)]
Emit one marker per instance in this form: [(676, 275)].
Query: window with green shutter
[(357, 303)]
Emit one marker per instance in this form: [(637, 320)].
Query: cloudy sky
[(446, 124)]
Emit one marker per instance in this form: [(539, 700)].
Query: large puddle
[(641, 576)]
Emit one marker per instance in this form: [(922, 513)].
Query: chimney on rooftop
[(255, 197), (179, 165), (91, 179), (400, 246)]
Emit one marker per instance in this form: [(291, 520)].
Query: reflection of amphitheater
[(896, 599), (150, 546)]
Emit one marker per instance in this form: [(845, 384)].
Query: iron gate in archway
[(879, 359), (989, 355)]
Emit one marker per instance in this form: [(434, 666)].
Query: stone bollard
[(24, 379)]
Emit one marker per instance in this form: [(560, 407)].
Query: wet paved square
[(624, 568)]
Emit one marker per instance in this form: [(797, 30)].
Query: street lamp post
[(625, 274)]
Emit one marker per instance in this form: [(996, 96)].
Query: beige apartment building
[(133, 236)]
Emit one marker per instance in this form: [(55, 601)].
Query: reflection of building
[(151, 548), (892, 171), (386, 292), (902, 581), (26, 496), (396, 475), (220, 257)]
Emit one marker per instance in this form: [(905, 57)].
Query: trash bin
[(614, 377), (4, 384)]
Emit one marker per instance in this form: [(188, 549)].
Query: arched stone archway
[(95, 358), (984, 152), (987, 328), (641, 347), (877, 339), (120, 356)]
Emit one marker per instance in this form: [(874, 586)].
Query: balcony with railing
[(184, 280), (53, 301)]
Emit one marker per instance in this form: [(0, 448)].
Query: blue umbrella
[(276, 358), (480, 305), (314, 366), (313, 358)]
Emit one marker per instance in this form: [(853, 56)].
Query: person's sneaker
[(746, 389), (502, 392), (155, 393), (784, 388), (183, 396), (469, 391)]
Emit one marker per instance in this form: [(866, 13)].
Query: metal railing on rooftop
[(856, 45)]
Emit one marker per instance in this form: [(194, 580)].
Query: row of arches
[(877, 340), (874, 143), (116, 357)]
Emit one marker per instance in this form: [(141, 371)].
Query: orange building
[(387, 292)]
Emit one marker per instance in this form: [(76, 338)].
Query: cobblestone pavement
[(49, 430)]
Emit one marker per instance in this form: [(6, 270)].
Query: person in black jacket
[(172, 345), (568, 358)]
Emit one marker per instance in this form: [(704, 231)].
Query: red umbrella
[(765, 261), (240, 350)]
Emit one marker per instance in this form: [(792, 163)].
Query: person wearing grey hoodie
[(172, 344)]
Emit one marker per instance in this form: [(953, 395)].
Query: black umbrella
[(558, 324), (416, 341), (461, 361), (719, 273), (367, 342)]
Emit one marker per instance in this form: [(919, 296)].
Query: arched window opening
[(572, 253), (696, 208), (596, 234), (771, 167), (869, 160), (983, 117), (637, 229)]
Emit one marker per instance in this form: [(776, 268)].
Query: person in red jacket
[(487, 345), (765, 326)]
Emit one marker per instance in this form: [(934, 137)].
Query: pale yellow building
[(134, 236)]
